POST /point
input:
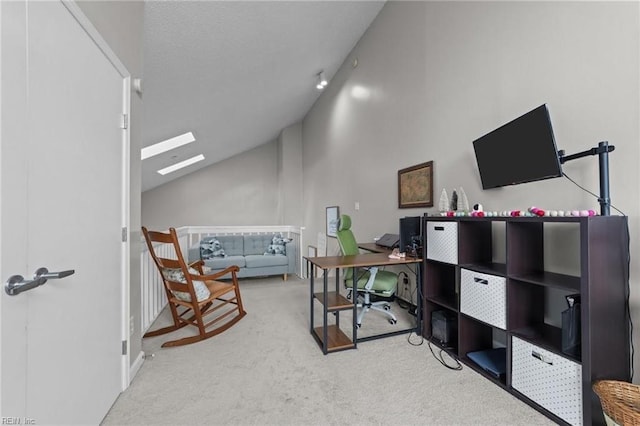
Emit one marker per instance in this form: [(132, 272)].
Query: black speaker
[(444, 327)]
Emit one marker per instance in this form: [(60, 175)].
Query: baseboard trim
[(135, 367)]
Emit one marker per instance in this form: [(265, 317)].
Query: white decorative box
[(442, 241), (484, 297), (550, 380)]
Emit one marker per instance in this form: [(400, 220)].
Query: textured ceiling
[(236, 73)]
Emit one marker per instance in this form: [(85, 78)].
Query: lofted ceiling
[(235, 73)]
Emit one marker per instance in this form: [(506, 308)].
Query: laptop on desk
[(389, 241)]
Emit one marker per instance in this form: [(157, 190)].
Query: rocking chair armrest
[(229, 270), (197, 265)]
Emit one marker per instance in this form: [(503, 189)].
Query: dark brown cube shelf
[(536, 289)]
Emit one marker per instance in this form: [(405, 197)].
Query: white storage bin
[(484, 297), (550, 380), (442, 241)]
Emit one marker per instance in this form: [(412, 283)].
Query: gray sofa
[(255, 255)]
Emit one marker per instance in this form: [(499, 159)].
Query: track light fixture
[(322, 81)]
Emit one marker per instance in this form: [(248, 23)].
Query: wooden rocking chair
[(191, 295)]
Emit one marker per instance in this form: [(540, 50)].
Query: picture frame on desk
[(333, 219), (415, 186)]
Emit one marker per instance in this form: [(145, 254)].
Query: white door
[(62, 177)]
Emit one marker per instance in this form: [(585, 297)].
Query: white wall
[(242, 190), (262, 186), (290, 176), (433, 76)]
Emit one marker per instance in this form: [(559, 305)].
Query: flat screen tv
[(523, 150)]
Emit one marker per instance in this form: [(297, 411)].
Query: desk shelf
[(335, 301), (336, 339)]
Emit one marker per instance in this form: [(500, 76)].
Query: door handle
[(44, 273), (16, 284)]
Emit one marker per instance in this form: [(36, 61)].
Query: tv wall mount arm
[(602, 151)]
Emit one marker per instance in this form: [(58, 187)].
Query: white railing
[(153, 296)]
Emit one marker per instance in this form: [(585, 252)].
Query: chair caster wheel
[(387, 307), (392, 321), (358, 325)]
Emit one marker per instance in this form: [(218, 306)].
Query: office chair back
[(346, 241)]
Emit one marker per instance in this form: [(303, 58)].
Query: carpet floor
[(268, 370)]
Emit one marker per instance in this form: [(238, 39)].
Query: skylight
[(164, 146), (181, 164)]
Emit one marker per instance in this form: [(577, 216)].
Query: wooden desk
[(330, 337), (374, 248)]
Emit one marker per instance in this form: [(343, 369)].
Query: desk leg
[(325, 336), (337, 313), (311, 303), (354, 299)]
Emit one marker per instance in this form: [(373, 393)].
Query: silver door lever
[(16, 284)]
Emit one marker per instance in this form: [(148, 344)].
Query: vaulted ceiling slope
[(236, 73)]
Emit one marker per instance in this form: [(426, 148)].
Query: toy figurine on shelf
[(478, 211), (454, 201), (444, 202), (463, 201)]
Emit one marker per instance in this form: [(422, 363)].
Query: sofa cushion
[(233, 244), (259, 260), (225, 262), (211, 247), (176, 275), (278, 245), (256, 244)]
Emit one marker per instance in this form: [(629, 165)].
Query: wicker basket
[(620, 401)]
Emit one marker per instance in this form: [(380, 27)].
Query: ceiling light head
[(322, 81)]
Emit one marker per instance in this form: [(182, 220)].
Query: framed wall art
[(333, 216), (415, 186)]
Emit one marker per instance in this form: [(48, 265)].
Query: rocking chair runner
[(191, 295)]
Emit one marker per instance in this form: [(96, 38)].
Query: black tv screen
[(523, 150)]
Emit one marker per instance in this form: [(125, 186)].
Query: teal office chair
[(369, 281)]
